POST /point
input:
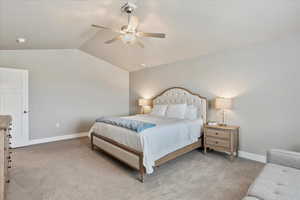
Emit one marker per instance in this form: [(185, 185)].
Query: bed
[(170, 138)]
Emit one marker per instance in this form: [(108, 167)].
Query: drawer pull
[(8, 157), (7, 181), (217, 142), (217, 133)]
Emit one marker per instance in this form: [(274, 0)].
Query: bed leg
[(142, 168), (92, 141), (142, 175)]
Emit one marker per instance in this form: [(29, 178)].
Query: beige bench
[(280, 178)]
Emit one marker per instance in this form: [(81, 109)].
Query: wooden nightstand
[(222, 138)]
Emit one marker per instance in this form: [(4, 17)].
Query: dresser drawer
[(222, 134), (217, 142)]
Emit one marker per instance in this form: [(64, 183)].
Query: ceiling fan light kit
[(128, 38), (129, 33)]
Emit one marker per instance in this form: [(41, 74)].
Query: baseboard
[(242, 154), (57, 138), (252, 156)]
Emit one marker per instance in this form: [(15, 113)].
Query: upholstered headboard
[(177, 95)]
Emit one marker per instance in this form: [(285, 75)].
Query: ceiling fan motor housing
[(128, 8)]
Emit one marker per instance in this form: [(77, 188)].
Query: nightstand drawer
[(222, 134), (217, 142)]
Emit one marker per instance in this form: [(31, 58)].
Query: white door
[(14, 102)]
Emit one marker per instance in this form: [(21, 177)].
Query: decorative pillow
[(159, 110), (191, 112), (176, 111)]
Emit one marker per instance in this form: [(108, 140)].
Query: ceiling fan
[(129, 33)]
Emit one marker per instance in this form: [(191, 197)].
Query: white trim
[(242, 154), (54, 139), (253, 156)]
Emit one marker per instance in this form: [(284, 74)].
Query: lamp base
[(221, 124)]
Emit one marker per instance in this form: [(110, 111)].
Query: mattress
[(167, 136)]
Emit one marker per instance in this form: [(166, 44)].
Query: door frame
[(25, 117)]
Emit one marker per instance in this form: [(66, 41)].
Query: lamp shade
[(223, 103), (145, 102)]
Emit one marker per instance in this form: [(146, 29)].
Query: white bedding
[(169, 135)]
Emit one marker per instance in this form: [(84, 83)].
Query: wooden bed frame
[(134, 158)]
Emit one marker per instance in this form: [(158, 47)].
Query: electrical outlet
[(57, 125)]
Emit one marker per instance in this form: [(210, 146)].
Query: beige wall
[(68, 87), (264, 81)]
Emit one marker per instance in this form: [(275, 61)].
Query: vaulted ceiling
[(193, 27)]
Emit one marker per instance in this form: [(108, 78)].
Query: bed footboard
[(129, 156)]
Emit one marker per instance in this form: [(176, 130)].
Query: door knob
[(25, 111)]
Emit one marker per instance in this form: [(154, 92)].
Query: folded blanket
[(134, 125)]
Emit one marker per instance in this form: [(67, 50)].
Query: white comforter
[(168, 136)]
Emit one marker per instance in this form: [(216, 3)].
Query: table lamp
[(144, 103), (223, 104)]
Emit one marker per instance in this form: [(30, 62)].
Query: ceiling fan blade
[(155, 35), (119, 37), (140, 44), (133, 23), (104, 27)]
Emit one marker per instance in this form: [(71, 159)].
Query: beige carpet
[(69, 170)]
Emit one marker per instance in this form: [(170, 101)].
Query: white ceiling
[(193, 28)]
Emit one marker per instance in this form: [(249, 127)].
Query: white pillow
[(176, 111), (191, 112), (159, 110)]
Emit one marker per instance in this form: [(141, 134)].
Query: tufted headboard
[(177, 95)]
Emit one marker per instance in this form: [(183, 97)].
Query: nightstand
[(222, 138)]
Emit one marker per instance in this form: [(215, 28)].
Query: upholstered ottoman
[(280, 178)]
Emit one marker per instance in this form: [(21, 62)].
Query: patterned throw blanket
[(134, 125)]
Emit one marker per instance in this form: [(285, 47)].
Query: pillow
[(176, 111), (159, 110), (191, 112)]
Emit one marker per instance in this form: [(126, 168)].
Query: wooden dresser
[(5, 153)]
